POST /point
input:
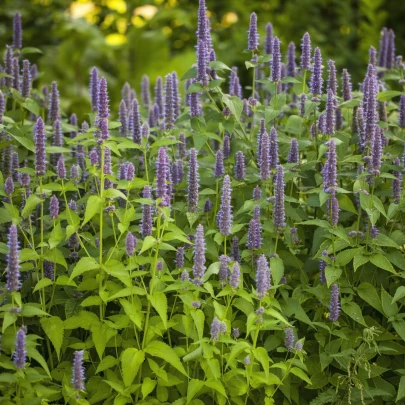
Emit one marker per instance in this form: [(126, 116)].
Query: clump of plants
[(231, 245)]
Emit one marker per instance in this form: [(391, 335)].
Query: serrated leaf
[(31, 203), (148, 242), (45, 282), (101, 333), (301, 374), (148, 385), (354, 311), (368, 293), (277, 269), (382, 262), (131, 361), (84, 264), (93, 207), (332, 273), (54, 329), (159, 302)]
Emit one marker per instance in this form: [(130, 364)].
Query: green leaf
[(9, 319), (34, 353), (382, 262), (262, 357), (106, 363), (399, 293), (359, 261), (32, 106), (332, 274), (345, 203), (30, 205), (84, 264), (190, 74), (57, 236), (389, 307), (30, 50), (148, 386), (294, 124), (54, 329), (300, 374), (236, 350), (193, 388), (148, 242), (26, 142), (101, 334), (384, 240), (388, 95), (159, 302), (44, 282), (217, 65), (93, 207), (199, 319), (235, 104), (131, 361), (368, 293), (353, 310), (162, 350), (277, 269), (32, 310), (217, 386), (399, 327), (401, 389)]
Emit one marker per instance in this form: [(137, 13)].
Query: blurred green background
[(126, 39)]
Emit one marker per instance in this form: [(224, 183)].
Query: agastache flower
[(202, 76), (9, 186), (8, 66), (134, 122), (215, 329), (195, 108), (333, 208), (78, 371), (276, 61), (334, 306), (401, 121), (94, 88), (159, 97), (49, 270), (278, 208), (239, 166), (390, 58), (26, 79), (303, 99), (293, 154), (145, 90), (225, 212), (169, 107), (330, 168), (253, 37), (161, 175), (226, 147), (182, 146), (39, 139), (289, 339), (346, 85), (262, 277), (219, 164), (268, 42), (372, 56), (264, 161), (316, 80), (257, 193), (53, 112), (376, 151), (322, 265), (273, 148), (291, 60), (176, 96), (235, 249), (234, 279), (199, 256), (332, 80), (396, 183), (20, 353), (13, 261), (223, 274), (193, 178), (123, 118), (254, 240), (54, 207), (130, 244), (306, 52), (146, 221), (17, 31), (180, 258), (330, 113)]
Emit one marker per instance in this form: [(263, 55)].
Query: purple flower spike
[(239, 166), (376, 151), (182, 146), (322, 265), (195, 107), (372, 56), (215, 329), (370, 103), (264, 161), (13, 261), (145, 87), (103, 109), (53, 112), (207, 205), (316, 80), (17, 31), (303, 99), (254, 240), (289, 339), (226, 147), (268, 42), (253, 37), (276, 61), (54, 207), (130, 172), (94, 88), (130, 244), (390, 59), (16, 74), (219, 164), (9, 186), (235, 89), (334, 306), (26, 79), (180, 258), (332, 80), (169, 105), (293, 154), (278, 209), (333, 208), (49, 270), (330, 168), (176, 96), (39, 139), (159, 96), (291, 65), (78, 371), (146, 221), (60, 168), (225, 212), (346, 85), (235, 249), (401, 121), (193, 179), (123, 118), (161, 174), (20, 353), (262, 277), (234, 279), (202, 21), (94, 158), (134, 122), (202, 76), (396, 183), (330, 122), (199, 256), (223, 274), (273, 148), (306, 50)]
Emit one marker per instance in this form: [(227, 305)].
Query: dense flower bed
[(235, 246)]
